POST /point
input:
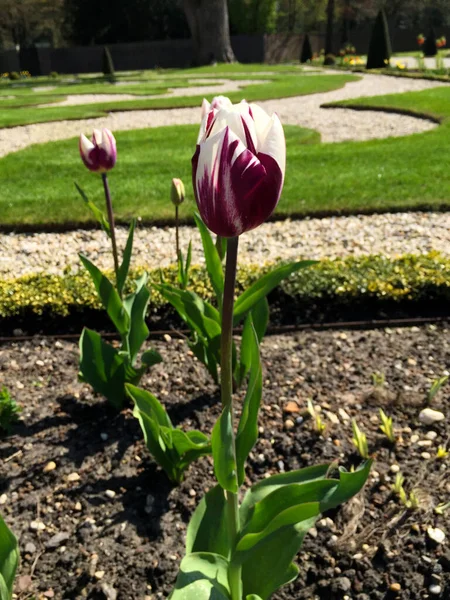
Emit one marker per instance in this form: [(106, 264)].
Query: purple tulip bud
[(100, 154), (238, 168)]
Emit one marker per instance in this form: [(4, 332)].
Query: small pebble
[(110, 493), (435, 589), (3, 499), (425, 443), (37, 526), (50, 466), (431, 435), (291, 407), (99, 574), (73, 477), (394, 469), (428, 416), (192, 493), (104, 436), (436, 534), (395, 587), (289, 424), (414, 439), (78, 506)]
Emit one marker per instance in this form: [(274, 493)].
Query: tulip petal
[(233, 189), (97, 137), (206, 106), (262, 122), (274, 144)]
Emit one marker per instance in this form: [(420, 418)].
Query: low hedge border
[(351, 284)]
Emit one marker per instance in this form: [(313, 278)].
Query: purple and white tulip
[(238, 167), (100, 154), (216, 103)]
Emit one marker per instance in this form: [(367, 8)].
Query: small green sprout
[(441, 508), (410, 502), (387, 426), (442, 452), (378, 379), (436, 386), (360, 440), (9, 410), (319, 425)]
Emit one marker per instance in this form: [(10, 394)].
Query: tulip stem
[(112, 229), (177, 235), (226, 382)]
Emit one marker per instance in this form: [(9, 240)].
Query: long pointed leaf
[(248, 299), (9, 560), (212, 259), (207, 530), (225, 467), (102, 367), (125, 266), (202, 576), (97, 213), (109, 297), (247, 433), (138, 330)]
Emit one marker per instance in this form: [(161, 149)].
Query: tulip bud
[(100, 154), (238, 168), (177, 192)]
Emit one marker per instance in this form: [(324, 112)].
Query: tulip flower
[(238, 168), (217, 103), (100, 154)]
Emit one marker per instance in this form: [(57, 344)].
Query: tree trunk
[(330, 27), (210, 31)]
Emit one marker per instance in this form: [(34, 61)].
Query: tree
[(380, 43), (210, 31), (252, 16), (27, 21)]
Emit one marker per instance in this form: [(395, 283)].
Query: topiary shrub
[(380, 44), (14, 76), (306, 55), (108, 65), (429, 46), (329, 59)]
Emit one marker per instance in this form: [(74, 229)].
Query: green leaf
[(149, 405), (259, 290), (225, 467), (247, 433), (97, 213), (202, 576), (151, 357), (270, 565), (136, 306), (265, 487), (260, 317), (125, 266), (207, 356), (9, 559), (207, 530), (275, 517), (102, 367), (221, 245), (189, 447), (109, 297), (212, 259)]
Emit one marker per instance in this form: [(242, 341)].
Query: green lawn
[(391, 174), (277, 86)]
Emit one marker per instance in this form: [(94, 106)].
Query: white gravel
[(219, 86), (334, 125), (388, 234)]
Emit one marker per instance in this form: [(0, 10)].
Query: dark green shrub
[(429, 47), (108, 65), (380, 44), (14, 76), (9, 410), (329, 59), (54, 74), (306, 55)]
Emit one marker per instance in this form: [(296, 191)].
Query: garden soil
[(97, 519)]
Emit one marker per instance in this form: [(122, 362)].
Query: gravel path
[(218, 86), (389, 234), (334, 125)]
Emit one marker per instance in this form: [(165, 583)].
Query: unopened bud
[(177, 192)]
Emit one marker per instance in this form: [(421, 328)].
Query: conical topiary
[(380, 44), (108, 65), (429, 46), (306, 54)]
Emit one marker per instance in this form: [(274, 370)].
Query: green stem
[(226, 382), (177, 235), (112, 228)]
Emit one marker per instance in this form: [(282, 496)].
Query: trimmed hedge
[(409, 278)]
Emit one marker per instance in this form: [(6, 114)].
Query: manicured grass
[(391, 174), (37, 183), (280, 86)]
